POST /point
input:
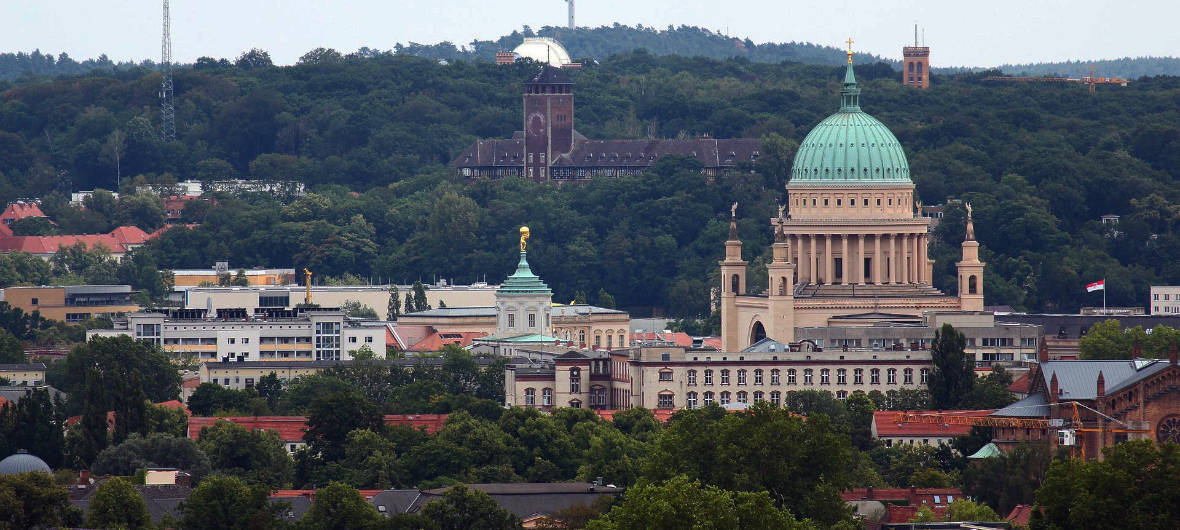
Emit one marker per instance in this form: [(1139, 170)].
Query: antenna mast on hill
[(167, 107), (571, 3)]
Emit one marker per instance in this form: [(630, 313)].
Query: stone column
[(892, 258), (924, 246), (812, 261), (917, 240), (877, 267), (860, 261), (829, 274), (844, 261), (905, 262)]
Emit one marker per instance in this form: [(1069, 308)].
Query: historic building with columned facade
[(853, 244)]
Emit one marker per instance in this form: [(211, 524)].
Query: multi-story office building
[(1165, 300), (233, 335), (23, 374), (375, 296), (72, 303)]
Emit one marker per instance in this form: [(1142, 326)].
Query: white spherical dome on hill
[(543, 49)]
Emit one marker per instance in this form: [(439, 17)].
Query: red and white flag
[(1096, 286)]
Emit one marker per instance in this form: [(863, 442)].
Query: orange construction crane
[(1066, 435), (1092, 80)]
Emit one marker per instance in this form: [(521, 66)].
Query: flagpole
[(1104, 295)]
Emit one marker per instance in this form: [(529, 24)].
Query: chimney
[(1172, 353), (1101, 384), (1043, 352), (1053, 388), (1136, 351)]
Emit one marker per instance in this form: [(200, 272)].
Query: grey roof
[(1079, 379), (1035, 405), (22, 462), (767, 345), (455, 312), (16, 393), (97, 289), (395, 501), (21, 367), (160, 500), (404, 362), (526, 499), (1074, 326), (574, 310), (550, 75), (571, 355)]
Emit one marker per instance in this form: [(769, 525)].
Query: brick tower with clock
[(548, 121)]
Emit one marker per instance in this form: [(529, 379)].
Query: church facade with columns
[(853, 245)]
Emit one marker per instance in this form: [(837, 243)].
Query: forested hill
[(602, 42), (1040, 164)]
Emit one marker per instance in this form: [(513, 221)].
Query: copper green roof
[(988, 451), (850, 148), (523, 281)]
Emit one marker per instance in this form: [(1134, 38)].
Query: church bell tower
[(970, 270)]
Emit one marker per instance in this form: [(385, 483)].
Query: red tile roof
[(1021, 384), (886, 427), (292, 428), (1020, 515), (20, 210), (117, 241), (435, 341), (663, 415), (914, 496), (174, 404)]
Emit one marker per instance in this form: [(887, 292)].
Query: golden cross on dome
[(849, 41)]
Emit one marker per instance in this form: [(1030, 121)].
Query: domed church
[(852, 249)]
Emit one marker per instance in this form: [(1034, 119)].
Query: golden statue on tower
[(524, 237)]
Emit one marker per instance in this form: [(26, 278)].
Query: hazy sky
[(976, 33)]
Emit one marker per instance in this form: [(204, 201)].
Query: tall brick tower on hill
[(548, 120), (916, 64)]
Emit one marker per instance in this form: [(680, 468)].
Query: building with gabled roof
[(1114, 400), (890, 432), (119, 241)]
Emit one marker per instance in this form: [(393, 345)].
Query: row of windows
[(723, 398), (808, 376), (1167, 296), (802, 202), (530, 397)]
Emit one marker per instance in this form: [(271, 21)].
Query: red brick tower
[(916, 64), (548, 120)]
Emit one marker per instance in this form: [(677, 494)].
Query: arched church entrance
[(757, 333)]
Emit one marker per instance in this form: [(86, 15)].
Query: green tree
[(332, 417), (34, 226), (145, 210), (1131, 487), (256, 456), (211, 398), (340, 506), (228, 502), (420, 303), (94, 420), (1106, 340), (156, 450), (605, 299), (930, 478), (953, 375), (683, 503), (966, 510), (802, 464), (115, 359), (860, 420), (32, 500), (393, 309), (461, 508), (353, 308), (924, 515), (117, 504), (1009, 479), (11, 350)]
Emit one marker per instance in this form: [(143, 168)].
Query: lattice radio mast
[(167, 107)]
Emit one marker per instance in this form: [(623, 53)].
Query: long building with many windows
[(235, 335)]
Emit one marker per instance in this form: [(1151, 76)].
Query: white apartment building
[(233, 335), (1165, 300)]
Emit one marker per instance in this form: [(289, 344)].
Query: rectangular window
[(725, 377), (757, 377), (708, 377), (533, 317), (858, 376), (807, 376), (875, 376), (511, 321), (791, 376), (692, 377), (774, 377), (666, 375), (665, 401), (841, 377), (369, 339), (352, 340), (825, 377), (741, 377), (547, 397)]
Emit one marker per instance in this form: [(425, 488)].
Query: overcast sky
[(977, 33)]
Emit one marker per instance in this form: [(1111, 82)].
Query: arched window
[(825, 376), (776, 397), (757, 376), (875, 376), (741, 376), (546, 397), (909, 376), (530, 397), (665, 400), (708, 377), (575, 381), (691, 401), (725, 377), (925, 376), (582, 337), (724, 398), (759, 396), (733, 284), (774, 377), (691, 377), (791, 376), (911, 68), (807, 376), (743, 397), (891, 376), (708, 398), (972, 288), (622, 344)]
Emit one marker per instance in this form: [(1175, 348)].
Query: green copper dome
[(523, 281), (850, 148)]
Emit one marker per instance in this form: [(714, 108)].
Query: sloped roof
[(988, 451), (560, 310), (129, 235), (116, 241), (1033, 406), (1021, 384), (435, 341), (289, 428), (20, 210), (885, 426), (456, 312), (1079, 379)]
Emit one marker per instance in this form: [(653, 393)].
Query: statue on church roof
[(970, 223), (524, 237), (733, 210)]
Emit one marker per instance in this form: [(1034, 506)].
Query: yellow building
[(24, 374), (196, 277), (72, 303), (853, 245)]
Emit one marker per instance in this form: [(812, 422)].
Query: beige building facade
[(72, 303), (374, 296), (23, 374)]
